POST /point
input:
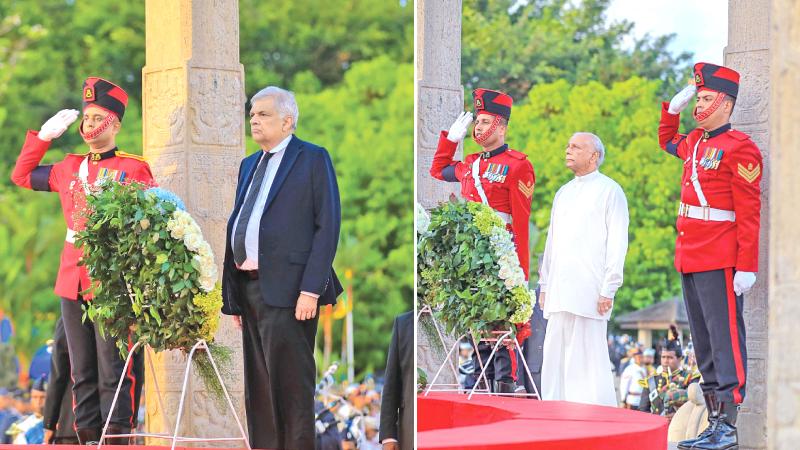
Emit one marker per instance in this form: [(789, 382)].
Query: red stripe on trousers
[(734, 331), (513, 357), (132, 378)]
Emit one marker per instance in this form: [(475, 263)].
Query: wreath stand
[(501, 337), (174, 437), (445, 387)]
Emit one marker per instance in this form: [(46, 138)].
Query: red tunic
[(510, 194), (732, 184), (62, 177)]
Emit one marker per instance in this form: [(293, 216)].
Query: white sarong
[(576, 366)]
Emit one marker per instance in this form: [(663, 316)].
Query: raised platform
[(450, 421), (128, 447)]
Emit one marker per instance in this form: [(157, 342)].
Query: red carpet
[(83, 447), (450, 421)]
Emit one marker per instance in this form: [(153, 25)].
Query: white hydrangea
[(423, 219), (193, 241)]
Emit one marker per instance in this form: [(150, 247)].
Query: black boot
[(114, 429), (502, 387), (723, 436), (713, 416), (88, 436)]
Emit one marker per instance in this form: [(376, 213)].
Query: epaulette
[(516, 154), (738, 135), (130, 155)]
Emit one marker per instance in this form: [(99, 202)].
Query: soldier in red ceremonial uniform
[(497, 176), (716, 250), (96, 364)]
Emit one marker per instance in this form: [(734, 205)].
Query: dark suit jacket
[(397, 400), (299, 230)]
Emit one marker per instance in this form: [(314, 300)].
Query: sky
[(687, 19)]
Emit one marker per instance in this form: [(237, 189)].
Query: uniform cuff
[(310, 294)]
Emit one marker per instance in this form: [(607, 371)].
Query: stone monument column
[(748, 52), (193, 106), (783, 387), (440, 98)]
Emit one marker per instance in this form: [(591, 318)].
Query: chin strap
[(484, 136), (710, 110), (99, 130)]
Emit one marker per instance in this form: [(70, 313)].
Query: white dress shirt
[(586, 245), (251, 235)]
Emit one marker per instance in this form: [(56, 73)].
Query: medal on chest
[(711, 158), (496, 173)]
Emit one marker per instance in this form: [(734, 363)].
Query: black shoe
[(89, 436), (502, 387), (114, 429), (713, 416), (723, 435)]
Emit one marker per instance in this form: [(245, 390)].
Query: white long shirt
[(586, 246)]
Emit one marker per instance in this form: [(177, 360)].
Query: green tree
[(514, 46), (625, 116), (367, 125), (310, 44)]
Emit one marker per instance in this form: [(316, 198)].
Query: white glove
[(459, 128), (58, 124), (681, 99), (743, 281)]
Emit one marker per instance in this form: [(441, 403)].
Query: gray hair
[(598, 145), (285, 103)]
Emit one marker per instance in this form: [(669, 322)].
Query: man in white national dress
[(580, 273)]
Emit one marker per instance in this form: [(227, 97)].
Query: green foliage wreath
[(468, 270)]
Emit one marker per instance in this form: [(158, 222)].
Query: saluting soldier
[(716, 250), (96, 366), (499, 177)]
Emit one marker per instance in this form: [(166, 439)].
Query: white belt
[(505, 216), (70, 236), (706, 213)]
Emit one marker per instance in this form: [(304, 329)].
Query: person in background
[(630, 391)]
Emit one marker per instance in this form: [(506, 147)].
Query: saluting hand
[(681, 99), (459, 128), (306, 307), (58, 124)]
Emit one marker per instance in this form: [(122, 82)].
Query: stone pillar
[(783, 405), (193, 104), (748, 53), (440, 98)]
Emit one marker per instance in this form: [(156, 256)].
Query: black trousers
[(499, 368), (58, 415), (717, 325), (96, 367), (279, 373)]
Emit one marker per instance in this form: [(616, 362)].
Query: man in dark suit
[(532, 349), (281, 241), (397, 401)]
